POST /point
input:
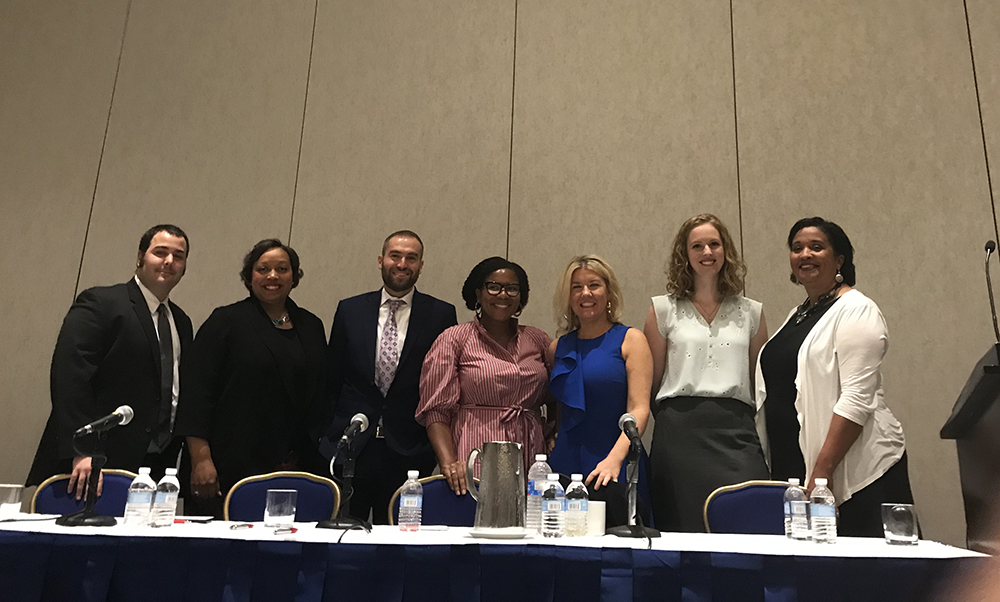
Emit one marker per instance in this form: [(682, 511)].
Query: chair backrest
[(441, 505), (318, 497), (51, 496), (749, 507)]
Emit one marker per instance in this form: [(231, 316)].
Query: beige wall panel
[(984, 22), (57, 68), (864, 112), (407, 126), (623, 128), (204, 133)]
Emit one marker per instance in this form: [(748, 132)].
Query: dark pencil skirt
[(699, 445)]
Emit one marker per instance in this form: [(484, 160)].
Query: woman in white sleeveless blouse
[(704, 336)]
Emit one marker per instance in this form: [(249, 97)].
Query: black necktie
[(166, 377)]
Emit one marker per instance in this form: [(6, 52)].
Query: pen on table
[(284, 530), (240, 526), (199, 521)]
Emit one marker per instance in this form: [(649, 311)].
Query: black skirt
[(699, 445)]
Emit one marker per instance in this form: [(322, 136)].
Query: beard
[(399, 282)]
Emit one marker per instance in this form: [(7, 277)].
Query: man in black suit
[(377, 347), (120, 345)]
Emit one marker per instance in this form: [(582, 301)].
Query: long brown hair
[(680, 275)]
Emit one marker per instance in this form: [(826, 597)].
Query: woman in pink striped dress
[(485, 380)]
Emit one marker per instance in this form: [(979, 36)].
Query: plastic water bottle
[(553, 508), (793, 494), (139, 503), (823, 513), (411, 502), (576, 507), (537, 475), (165, 500)]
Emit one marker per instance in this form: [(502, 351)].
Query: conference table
[(40, 561)]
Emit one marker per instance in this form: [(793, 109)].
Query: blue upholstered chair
[(318, 497), (441, 505), (51, 496), (749, 507)]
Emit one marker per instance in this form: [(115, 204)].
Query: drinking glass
[(279, 510)]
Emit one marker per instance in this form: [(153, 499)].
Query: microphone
[(359, 424), (627, 424), (122, 416)]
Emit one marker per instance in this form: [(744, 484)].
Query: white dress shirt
[(175, 339), (402, 319)]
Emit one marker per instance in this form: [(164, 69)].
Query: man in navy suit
[(377, 347), (120, 345)]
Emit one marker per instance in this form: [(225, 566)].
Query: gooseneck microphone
[(359, 424), (120, 417), (628, 425), (990, 247)]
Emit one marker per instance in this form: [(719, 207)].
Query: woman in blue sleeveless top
[(601, 370)]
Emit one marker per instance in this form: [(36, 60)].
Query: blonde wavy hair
[(680, 275), (566, 320)]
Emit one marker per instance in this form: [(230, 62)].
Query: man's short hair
[(170, 229), (405, 233)]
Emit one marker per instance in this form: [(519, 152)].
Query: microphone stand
[(88, 517), (347, 473), (634, 528)]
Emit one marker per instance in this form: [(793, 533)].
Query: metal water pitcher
[(501, 491)]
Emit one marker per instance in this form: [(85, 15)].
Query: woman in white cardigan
[(821, 411)]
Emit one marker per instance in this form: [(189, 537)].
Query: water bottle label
[(787, 508), (799, 508), (165, 497), (140, 497), (554, 505), (824, 511), (576, 505), (532, 490), (411, 501)]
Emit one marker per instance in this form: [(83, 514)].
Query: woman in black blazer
[(252, 393)]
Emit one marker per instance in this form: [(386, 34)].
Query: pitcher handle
[(469, 471)]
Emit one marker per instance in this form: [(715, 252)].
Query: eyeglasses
[(494, 288)]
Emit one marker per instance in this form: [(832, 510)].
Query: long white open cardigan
[(839, 373)]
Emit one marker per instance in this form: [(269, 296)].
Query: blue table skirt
[(45, 567)]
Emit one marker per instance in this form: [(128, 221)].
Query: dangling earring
[(520, 308), (609, 310), (793, 278), (479, 310), (839, 278)]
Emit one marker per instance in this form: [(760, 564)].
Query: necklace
[(805, 310), (708, 316), (284, 319)]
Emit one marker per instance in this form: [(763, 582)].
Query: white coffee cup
[(595, 518)]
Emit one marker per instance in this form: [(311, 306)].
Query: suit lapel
[(417, 320), (369, 325), (145, 320)]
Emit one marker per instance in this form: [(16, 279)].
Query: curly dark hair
[(246, 274), (838, 240), (477, 277)]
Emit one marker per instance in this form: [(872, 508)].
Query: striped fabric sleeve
[(439, 386)]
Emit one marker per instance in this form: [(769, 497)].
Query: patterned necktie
[(388, 349), (162, 439)]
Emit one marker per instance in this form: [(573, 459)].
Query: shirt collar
[(407, 299), (151, 299)]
